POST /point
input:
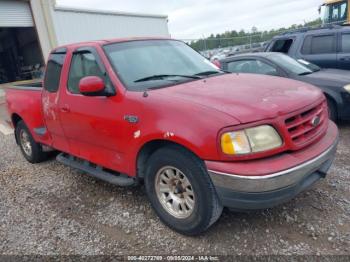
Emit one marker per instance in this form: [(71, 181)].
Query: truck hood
[(246, 97)]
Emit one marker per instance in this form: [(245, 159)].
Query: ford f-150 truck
[(154, 111)]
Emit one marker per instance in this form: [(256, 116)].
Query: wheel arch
[(334, 101), (15, 118), (148, 148)]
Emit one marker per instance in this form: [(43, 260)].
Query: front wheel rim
[(25, 142), (175, 192)]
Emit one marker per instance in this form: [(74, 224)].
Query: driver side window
[(251, 67), (83, 64)]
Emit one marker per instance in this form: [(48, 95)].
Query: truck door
[(92, 124), (50, 97), (344, 51), (320, 50)]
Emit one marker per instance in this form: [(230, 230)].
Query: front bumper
[(255, 191)]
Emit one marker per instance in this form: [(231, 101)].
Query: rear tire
[(180, 191), (332, 110), (31, 150)]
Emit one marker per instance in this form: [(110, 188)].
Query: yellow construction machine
[(335, 12)]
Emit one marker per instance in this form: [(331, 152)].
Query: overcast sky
[(189, 19)]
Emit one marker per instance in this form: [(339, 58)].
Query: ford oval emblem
[(315, 121)]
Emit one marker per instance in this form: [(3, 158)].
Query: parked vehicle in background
[(257, 47), (154, 110), (335, 11), (335, 83), (325, 47), (265, 44), (235, 50), (254, 47), (206, 54), (216, 58), (250, 48)]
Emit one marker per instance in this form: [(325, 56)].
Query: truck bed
[(24, 100), (33, 85)]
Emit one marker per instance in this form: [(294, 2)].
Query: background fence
[(242, 42)]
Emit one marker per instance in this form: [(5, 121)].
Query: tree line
[(234, 38)]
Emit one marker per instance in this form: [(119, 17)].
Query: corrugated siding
[(73, 26), (15, 14)]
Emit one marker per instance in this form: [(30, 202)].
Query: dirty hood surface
[(246, 97)]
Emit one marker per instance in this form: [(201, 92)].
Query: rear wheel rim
[(25, 142), (175, 192)]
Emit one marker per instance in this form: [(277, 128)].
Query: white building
[(29, 29)]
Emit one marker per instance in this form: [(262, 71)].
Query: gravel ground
[(52, 209)]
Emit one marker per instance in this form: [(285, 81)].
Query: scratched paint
[(137, 134), (168, 135)]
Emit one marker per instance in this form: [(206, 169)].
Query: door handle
[(65, 109), (345, 58)]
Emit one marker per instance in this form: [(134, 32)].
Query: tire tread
[(38, 155), (216, 207)]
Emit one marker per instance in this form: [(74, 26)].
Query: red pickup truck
[(155, 111)]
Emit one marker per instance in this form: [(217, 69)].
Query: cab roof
[(106, 42)]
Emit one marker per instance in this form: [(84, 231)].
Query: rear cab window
[(54, 70)]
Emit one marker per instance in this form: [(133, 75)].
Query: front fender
[(203, 147), (193, 126)]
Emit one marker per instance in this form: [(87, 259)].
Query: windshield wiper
[(207, 73), (161, 77), (305, 73)]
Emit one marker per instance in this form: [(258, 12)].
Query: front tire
[(180, 191), (31, 150)]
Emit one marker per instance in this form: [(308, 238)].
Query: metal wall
[(41, 15), (15, 14), (73, 25)]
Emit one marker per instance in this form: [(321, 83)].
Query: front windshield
[(289, 64), (144, 64), (311, 66)]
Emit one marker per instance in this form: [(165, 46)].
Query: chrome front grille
[(304, 127)]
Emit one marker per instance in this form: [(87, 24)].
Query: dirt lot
[(52, 209)]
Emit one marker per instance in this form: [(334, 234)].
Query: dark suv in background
[(325, 47)]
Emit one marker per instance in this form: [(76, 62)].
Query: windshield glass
[(336, 12), (147, 64), (289, 64), (311, 66)]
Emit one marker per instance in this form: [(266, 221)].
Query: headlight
[(251, 140), (347, 88)]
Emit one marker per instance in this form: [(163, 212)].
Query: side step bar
[(96, 171)]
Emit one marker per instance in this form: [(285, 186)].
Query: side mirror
[(91, 86)]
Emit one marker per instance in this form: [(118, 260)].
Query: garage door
[(15, 14)]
